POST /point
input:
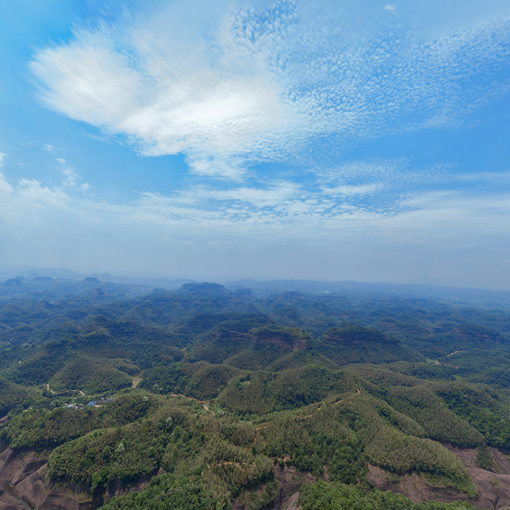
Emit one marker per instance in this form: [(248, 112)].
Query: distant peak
[(204, 288), (13, 282), (90, 279)]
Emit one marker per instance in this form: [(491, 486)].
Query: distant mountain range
[(486, 297)]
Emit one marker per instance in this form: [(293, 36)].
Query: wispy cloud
[(71, 179), (358, 189), (214, 108), (273, 83), (5, 187), (3, 155), (247, 234)]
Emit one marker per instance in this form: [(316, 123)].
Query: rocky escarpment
[(493, 487), (24, 485)]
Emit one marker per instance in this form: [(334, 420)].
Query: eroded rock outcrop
[(24, 485), (493, 487)]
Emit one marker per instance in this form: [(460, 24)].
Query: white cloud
[(33, 192), (70, 177), (227, 86), (279, 231), (88, 80), (212, 109), (260, 196), (5, 187), (2, 159), (359, 189), (71, 180), (390, 7)]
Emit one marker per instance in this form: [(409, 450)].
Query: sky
[(330, 140)]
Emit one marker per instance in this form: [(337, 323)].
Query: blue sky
[(335, 140)]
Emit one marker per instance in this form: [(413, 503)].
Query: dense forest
[(121, 396)]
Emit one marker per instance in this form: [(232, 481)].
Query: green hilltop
[(207, 397)]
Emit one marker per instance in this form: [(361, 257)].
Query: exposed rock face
[(284, 338), (414, 486), (290, 481), (25, 486), (493, 488)]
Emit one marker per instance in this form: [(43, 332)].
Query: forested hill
[(124, 396)]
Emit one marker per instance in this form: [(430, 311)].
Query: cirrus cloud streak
[(279, 82)]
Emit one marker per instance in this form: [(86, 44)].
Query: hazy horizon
[(335, 141), (155, 280)]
